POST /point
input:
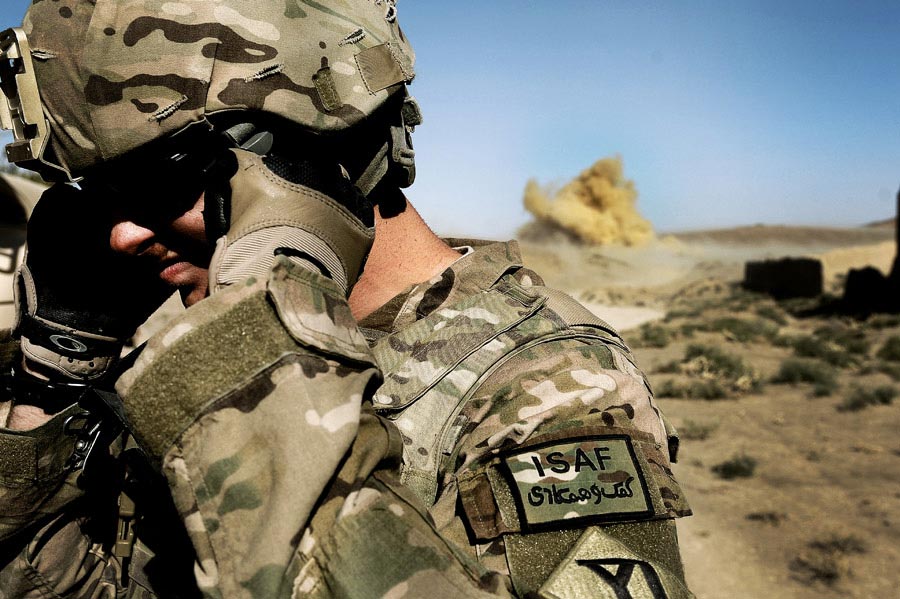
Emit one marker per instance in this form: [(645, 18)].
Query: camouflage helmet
[(116, 75)]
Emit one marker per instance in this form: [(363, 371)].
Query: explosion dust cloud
[(597, 207)]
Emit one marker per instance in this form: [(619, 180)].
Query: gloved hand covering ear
[(301, 209), (78, 301)]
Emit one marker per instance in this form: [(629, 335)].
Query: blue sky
[(724, 112)]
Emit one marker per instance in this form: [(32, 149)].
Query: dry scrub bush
[(740, 299), (692, 430), (804, 370), (654, 335), (707, 360), (687, 330), (771, 518), (890, 351), (835, 344), (861, 398), (693, 312), (715, 374), (827, 351), (740, 466), (739, 329), (825, 561), (709, 390), (805, 305), (853, 340), (772, 313), (673, 367), (884, 321), (891, 369)]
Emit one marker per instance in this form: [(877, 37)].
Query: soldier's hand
[(77, 301), (305, 210)]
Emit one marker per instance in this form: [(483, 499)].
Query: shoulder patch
[(588, 479), (600, 566), (570, 478)]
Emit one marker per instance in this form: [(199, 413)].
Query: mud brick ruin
[(785, 278)]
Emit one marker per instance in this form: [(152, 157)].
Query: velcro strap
[(383, 66), (38, 455), (164, 398), (51, 396), (328, 93), (18, 457), (66, 341)]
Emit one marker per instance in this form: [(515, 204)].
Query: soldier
[(232, 154)]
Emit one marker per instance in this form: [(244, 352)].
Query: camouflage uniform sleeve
[(562, 477), (255, 402)]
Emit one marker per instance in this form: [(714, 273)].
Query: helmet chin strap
[(247, 136), (395, 159)]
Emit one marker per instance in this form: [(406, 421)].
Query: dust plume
[(597, 207)]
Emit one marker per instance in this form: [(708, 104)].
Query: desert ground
[(789, 448)]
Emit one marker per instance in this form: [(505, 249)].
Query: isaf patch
[(595, 478)]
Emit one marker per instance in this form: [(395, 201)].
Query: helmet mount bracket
[(21, 110)]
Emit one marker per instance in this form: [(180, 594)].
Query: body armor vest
[(435, 365)]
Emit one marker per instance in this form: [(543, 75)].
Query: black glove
[(78, 301)]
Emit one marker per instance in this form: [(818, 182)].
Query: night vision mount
[(21, 110)]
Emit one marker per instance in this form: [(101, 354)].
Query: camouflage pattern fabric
[(254, 402), (116, 75), (284, 479), (526, 410)]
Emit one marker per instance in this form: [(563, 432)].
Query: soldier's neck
[(405, 252)]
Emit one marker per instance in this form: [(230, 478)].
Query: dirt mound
[(656, 271), (836, 263), (758, 235), (888, 223)]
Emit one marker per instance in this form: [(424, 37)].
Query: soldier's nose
[(130, 238)]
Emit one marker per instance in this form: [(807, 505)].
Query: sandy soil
[(818, 515)]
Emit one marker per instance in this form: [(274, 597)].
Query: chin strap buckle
[(124, 546), (95, 429)]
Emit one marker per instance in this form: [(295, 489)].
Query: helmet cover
[(117, 74)]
